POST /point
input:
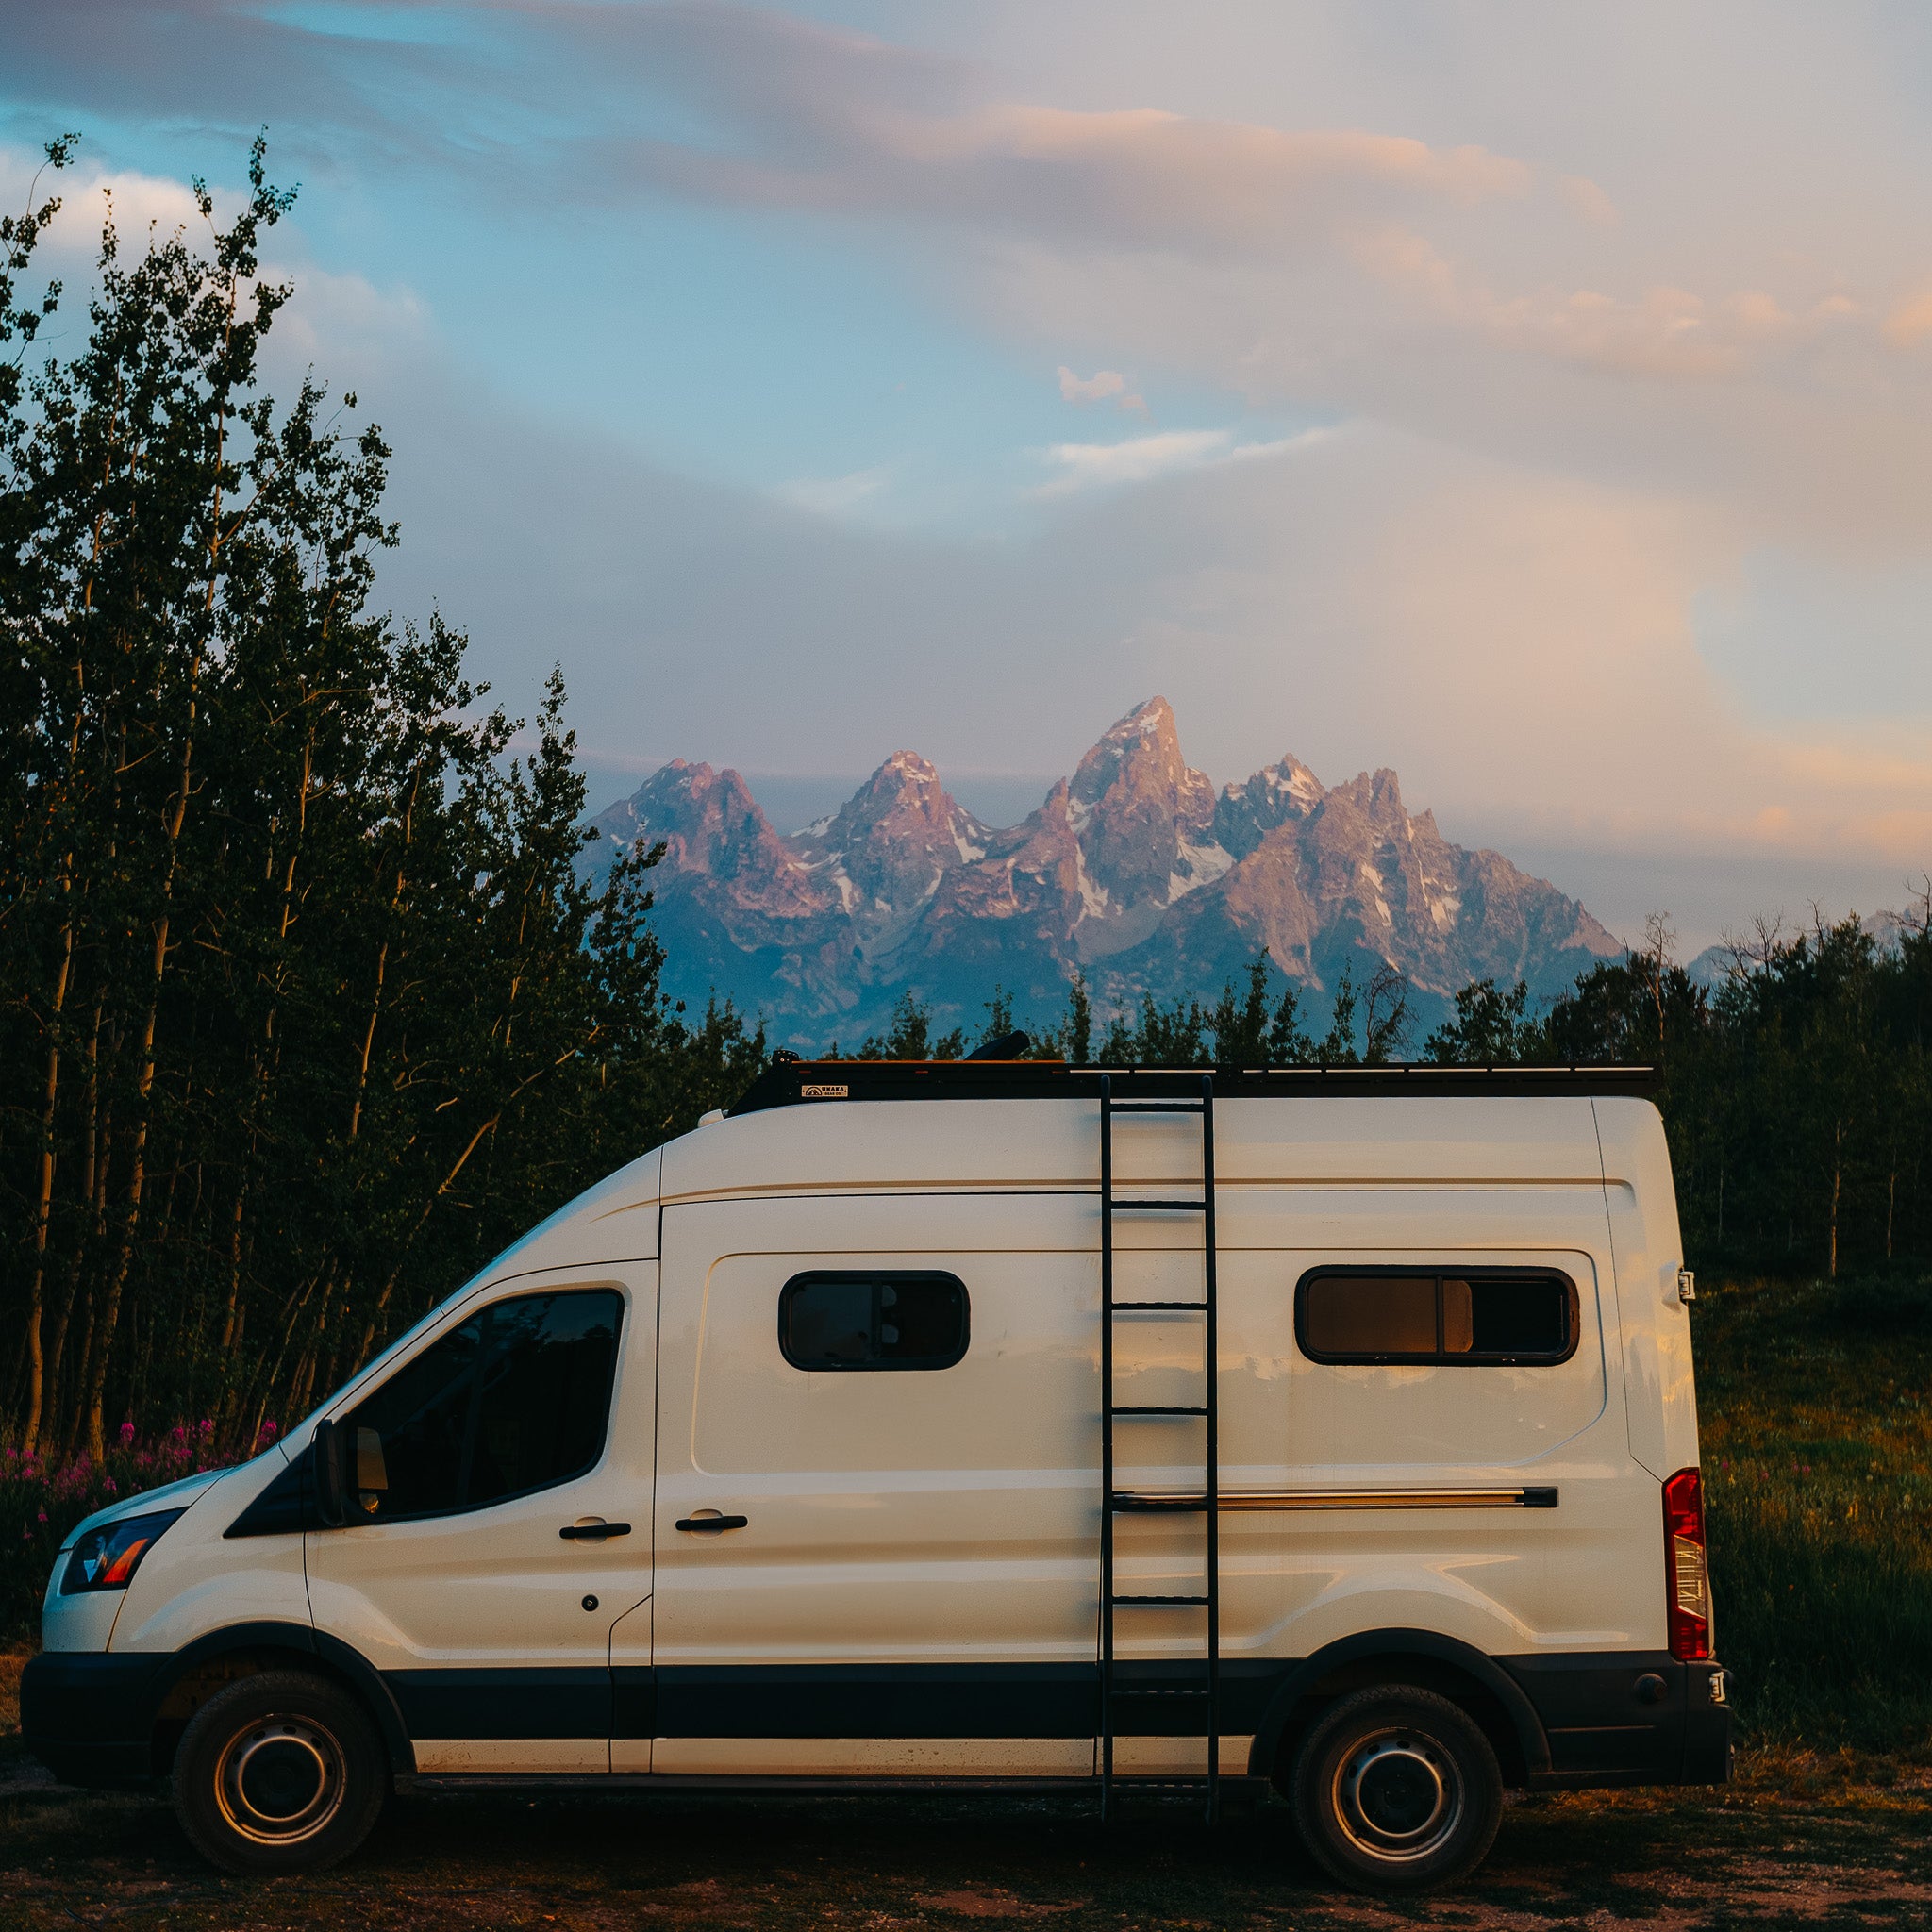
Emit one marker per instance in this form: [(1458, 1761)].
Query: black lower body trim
[(1610, 1717), (1627, 1717), (950, 1700), (1017, 1700), (563, 1701)]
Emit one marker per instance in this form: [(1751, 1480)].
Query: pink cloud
[(1096, 388)]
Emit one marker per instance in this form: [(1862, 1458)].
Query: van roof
[(789, 1081)]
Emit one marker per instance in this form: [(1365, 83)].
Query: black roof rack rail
[(789, 1081)]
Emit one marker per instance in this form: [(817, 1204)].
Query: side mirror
[(325, 1457)]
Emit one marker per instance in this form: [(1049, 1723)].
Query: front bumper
[(89, 1716)]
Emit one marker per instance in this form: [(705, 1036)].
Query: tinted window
[(1402, 1315), (515, 1399), (1354, 1314), (859, 1320)]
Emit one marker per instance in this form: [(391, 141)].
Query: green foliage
[(1817, 1429), (1378, 1015), (306, 1006), (1076, 1037), (911, 1036), (1247, 1034), (1491, 1028), (1796, 1094)]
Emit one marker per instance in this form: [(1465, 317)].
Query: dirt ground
[(1797, 1842)]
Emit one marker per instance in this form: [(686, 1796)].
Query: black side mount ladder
[(1203, 1696)]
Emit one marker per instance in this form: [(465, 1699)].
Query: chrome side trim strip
[(1525, 1498)]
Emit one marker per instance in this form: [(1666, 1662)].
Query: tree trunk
[(117, 1276), (231, 1331), (1837, 1186), (43, 1204)]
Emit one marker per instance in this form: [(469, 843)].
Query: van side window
[(1475, 1317), (515, 1399), (854, 1319)]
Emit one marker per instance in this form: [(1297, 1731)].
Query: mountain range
[(1135, 871)]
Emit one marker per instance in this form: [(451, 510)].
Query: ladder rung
[(1127, 1503), (1116, 1306), (1158, 1107), (1172, 1206), (1128, 1691), (1142, 1408), (1163, 1784), (1135, 1603)]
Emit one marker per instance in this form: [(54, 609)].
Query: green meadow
[(1815, 1401)]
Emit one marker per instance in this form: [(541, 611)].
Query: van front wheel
[(1396, 1789), (279, 1772)]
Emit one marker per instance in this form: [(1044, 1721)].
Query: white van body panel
[(193, 1581), (85, 1620), (915, 1519), (615, 1220), (497, 1589), (1649, 1250), (923, 1146)]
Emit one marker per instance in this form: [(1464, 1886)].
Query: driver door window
[(514, 1400)]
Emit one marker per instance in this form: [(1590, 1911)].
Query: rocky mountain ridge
[(1135, 871)]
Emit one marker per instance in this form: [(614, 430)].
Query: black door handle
[(592, 1532), (710, 1525)]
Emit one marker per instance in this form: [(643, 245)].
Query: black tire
[(279, 1772), (1396, 1789)]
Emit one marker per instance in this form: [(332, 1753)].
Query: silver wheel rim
[(1398, 1796), (280, 1781)]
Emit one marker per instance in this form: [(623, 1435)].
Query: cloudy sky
[(1536, 400)]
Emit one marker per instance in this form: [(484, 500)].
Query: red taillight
[(1686, 1573)]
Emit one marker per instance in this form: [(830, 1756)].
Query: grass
[(1817, 1422), (1816, 1405)]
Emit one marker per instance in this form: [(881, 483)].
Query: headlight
[(106, 1558)]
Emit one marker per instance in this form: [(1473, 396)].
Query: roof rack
[(789, 1081)]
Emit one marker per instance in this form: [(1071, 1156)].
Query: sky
[(1535, 400)]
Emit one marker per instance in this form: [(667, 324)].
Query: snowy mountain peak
[(1134, 870), (1141, 751)]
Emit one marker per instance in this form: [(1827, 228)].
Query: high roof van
[(1006, 1426)]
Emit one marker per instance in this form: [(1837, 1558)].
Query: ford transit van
[(1013, 1425)]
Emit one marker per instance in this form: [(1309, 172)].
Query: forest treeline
[(305, 1009), (308, 1006)]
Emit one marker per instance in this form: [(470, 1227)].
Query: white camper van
[(1010, 1425)]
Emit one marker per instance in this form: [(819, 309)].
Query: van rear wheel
[(1396, 1789), (279, 1772)]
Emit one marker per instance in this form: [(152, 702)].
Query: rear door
[(502, 1503)]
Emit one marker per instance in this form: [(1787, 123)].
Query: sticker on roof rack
[(824, 1089)]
